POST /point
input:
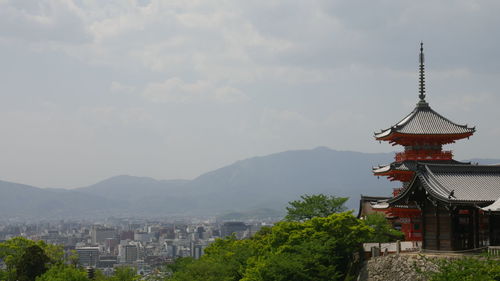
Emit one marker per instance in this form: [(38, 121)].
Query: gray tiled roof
[(460, 184), (411, 165), (495, 207), (425, 121), (398, 166)]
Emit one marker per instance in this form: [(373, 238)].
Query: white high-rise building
[(88, 256), (99, 234), (128, 253)]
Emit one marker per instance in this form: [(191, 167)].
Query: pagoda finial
[(422, 74)]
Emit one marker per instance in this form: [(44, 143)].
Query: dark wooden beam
[(475, 214), (436, 214), (452, 230), (490, 226), (423, 225)]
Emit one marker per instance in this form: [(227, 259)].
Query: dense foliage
[(383, 231), (121, 274), (317, 249), (27, 260), (64, 273), (467, 269), (315, 242), (311, 206)]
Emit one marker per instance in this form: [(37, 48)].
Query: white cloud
[(175, 90), (113, 116), (42, 21), (229, 95), (117, 87), (263, 75)]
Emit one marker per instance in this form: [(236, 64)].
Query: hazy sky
[(171, 89)]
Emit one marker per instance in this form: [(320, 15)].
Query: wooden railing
[(423, 155), (378, 249), (494, 250)]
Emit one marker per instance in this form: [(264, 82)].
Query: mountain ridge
[(261, 182)]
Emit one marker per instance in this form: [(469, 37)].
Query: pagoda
[(443, 204), (422, 133)]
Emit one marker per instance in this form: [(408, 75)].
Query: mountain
[(128, 188), (253, 214), (260, 182), (24, 201), (273, 180), (266, 183)]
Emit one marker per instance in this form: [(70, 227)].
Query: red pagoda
[(422, 133)]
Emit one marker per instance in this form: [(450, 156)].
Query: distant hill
[(237, 190), (273, 180), (262, 213), (129, 188), (24, 201), (260, 182)]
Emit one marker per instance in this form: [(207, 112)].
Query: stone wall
[(403, 267)]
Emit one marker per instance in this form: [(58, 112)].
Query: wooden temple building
[(446, 204)]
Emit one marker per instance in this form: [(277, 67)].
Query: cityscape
[(147, 245), (188, 140)]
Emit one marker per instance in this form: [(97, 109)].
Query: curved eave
[(494, 207), (402, 176), (439, 197), (424, 113), (402, 193), (397, 137), (380, 206), (392, 172), (381, 169)]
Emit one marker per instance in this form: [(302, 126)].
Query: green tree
[(224, 260), (180, 264), (73, 258), (14, 252), (466, 269), (311, 206), (279, 267), (317, 249), (382, 229), (204, 270), (99, 276), (33, 263), (124, 273), (64, 273), (11, 252)]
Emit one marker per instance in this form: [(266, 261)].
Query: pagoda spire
[(422, 74)]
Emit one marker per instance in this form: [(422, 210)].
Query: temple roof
[(411, 165), (495, 207), (371, 200), (425, 121), (457, 184)]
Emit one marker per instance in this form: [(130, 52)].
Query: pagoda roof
[(456, 184), (368, 198), (411, 165), (372, 200), (424, 121)]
